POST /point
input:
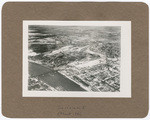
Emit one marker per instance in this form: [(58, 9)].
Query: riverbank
[(53, 78)]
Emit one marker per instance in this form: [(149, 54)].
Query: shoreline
[(38, 63)]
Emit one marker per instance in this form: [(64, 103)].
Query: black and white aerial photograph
[(74, 58)]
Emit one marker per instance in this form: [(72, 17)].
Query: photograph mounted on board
[(76, 58)]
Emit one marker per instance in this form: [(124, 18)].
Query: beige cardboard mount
[(16, 106)]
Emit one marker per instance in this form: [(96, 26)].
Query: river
[(53, 78)]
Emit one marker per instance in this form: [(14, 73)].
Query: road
[(53, 78)]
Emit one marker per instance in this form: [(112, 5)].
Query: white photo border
[(125, 71)]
